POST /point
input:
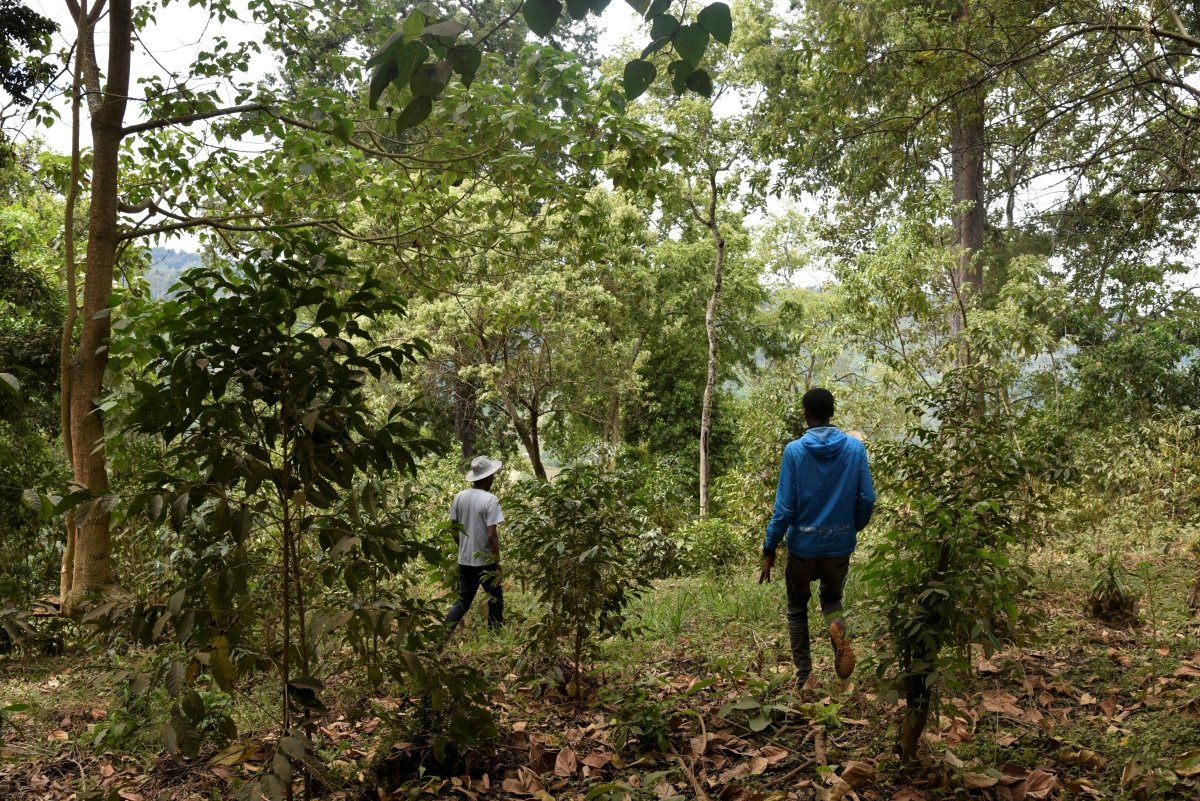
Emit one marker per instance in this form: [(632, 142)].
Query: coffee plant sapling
[(255, 378), (577, 539), (959, 492)]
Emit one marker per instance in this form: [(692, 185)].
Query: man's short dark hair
[(818, 403)]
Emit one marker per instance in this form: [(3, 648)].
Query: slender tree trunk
[(967, 148), (91, 562), (465, 416), (527, 432), (710, 325), (67, 571)]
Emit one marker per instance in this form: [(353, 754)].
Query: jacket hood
[(824, 442)]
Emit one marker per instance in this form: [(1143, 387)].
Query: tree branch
[(187, 119)]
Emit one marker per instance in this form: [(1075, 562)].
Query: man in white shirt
[(477, 511)]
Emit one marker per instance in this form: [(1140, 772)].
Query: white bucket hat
[(482, 467)]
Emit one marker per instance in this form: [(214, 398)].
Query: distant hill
[(166, 265)]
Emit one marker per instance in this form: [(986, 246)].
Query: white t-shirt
[(475, 509)]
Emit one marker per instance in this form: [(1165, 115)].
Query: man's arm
[(781, 518), (864, 502)]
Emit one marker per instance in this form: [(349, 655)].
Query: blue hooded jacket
[(825, 496)]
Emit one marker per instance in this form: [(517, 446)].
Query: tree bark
[(967, 149), (465, 415), (91, 563), (710, 325)]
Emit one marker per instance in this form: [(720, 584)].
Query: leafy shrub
[(576, 540), (1113, 598), (269, 494), (714, 545), (958, 493)]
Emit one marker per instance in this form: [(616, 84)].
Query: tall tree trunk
[(90, 554), (465, 415), (710, 325), (967, 149), (527, 431)]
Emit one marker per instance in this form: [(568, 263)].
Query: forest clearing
[(466, 399)]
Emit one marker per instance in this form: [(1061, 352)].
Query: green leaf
[(657, 7), (663, 25), (380, 78), (541, 15), (11, 381), (430, 79), (638, 77), (192, 705), (222, 667), (639, 6), (680, 70), (655, 46), (388, 52), (598, 6), (759, 722), (578, 9), (700, 83), (717, 20), (465, 61), (176, 674), (292, 746), (414, 23), (690, 43), (415, 113), (451, 29), (408, 61)]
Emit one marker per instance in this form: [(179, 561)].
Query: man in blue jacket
[(825, 497)]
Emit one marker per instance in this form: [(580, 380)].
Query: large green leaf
[(690, 43), (638, 77), (680, 70), (717, 20), (663, 25), (465, 60), (640, 6), (430, 79), (657, 7), (415, 113), (655, 46), (388, 51), (541, 15), (447, 28), (578, 9), (380, 78), (701, 83), (414, 23), (409, 57)]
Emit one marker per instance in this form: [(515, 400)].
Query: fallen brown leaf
[(836, 791), (1187, 672), (979, 781), (1109, 706), (1187, 764), (908, 794), (597, 760), (1001, 703), (858, 774), (1041, 785), (58, 734), (565, 764), (774, 754)]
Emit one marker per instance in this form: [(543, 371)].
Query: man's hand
[(768, 562)]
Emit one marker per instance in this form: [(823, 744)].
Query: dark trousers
[(800, 574), (470, 577)]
